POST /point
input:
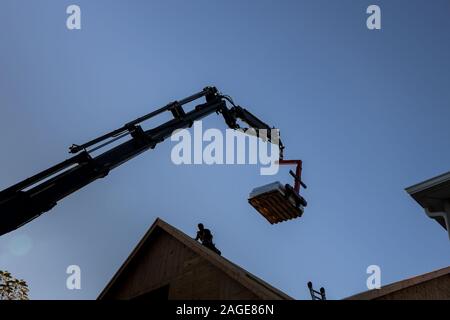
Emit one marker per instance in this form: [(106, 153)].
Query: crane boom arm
[(28, 199)]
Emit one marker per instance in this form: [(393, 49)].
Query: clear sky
[(367, 111)]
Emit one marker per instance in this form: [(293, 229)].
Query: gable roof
[(259, 287), (400, 285)]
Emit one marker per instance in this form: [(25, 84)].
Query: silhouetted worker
[(206, 237)]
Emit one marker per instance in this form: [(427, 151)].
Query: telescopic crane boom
[(31, 197)]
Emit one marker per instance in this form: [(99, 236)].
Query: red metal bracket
[(298, 172)]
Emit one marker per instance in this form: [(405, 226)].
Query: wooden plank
[(275, 207)]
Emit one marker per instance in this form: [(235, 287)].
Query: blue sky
[(367, 111)]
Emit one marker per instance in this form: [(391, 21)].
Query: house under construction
[(168, 264)]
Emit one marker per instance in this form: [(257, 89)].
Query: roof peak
[(245, 278)]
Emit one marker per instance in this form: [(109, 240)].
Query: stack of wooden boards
[(275, 203)]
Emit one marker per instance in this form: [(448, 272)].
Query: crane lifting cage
[(277, 202)]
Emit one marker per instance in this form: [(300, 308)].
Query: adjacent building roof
[(433, 285), (258, 287)]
